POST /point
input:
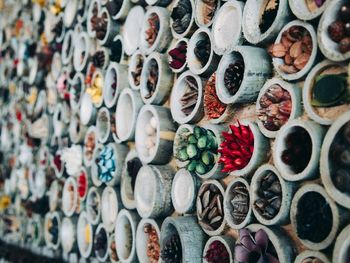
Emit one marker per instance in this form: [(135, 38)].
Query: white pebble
[(149, 129), (149, 144), (153, 122)]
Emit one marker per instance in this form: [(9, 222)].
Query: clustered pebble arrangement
[(135, 131)]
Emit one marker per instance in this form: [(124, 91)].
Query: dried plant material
[(301, 61), (210, 204), (233, 76), (217, 253), (202, 50), (213, 107), (152, 31), (99, 59), (190, 96), (172, 250), (152, 79), (90, 145), (295, 49), (268, 15), (339, 29), (298, 150), (240, 203), (209, 9), (275, 107), (269, 200), (153, 245), (181, 16), (278, 50), (237, 148), (136, 74), (178, 56), (114, 6)]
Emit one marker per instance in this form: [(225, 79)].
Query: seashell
[(153, 122)]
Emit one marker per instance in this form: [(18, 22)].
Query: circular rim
[(139, 233), (297, 5), (138, 13), (146, 109), (327, 46), (107, 219), (153, 177), (222, 240), (93, 191), (50, 216), (191, 25), (131, 96), (91, 129), (176, 111), (100, 228), (68, 227), (163, 15), (81, 235), (340, 197), (238, 39), (278, 147), (132, 66), (157, 57), (175, 45), (69, 210), (192, 60), (286, 196), (309, 85), (249, 25), (279, 61), (126, 215), (221, 228), (228, 206), (312, 254), (79, 64), (103, 134), (295, 94), (184, 208), (198, 15), (312, 187)]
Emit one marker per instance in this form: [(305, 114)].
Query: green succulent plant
[(330, 90), (199, 148)]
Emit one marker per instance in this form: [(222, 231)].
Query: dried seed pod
[(301, 61), (277, 50), (209, 207), (269, 195), (240, 203)]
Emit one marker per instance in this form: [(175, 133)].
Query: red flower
[(237, 148)]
